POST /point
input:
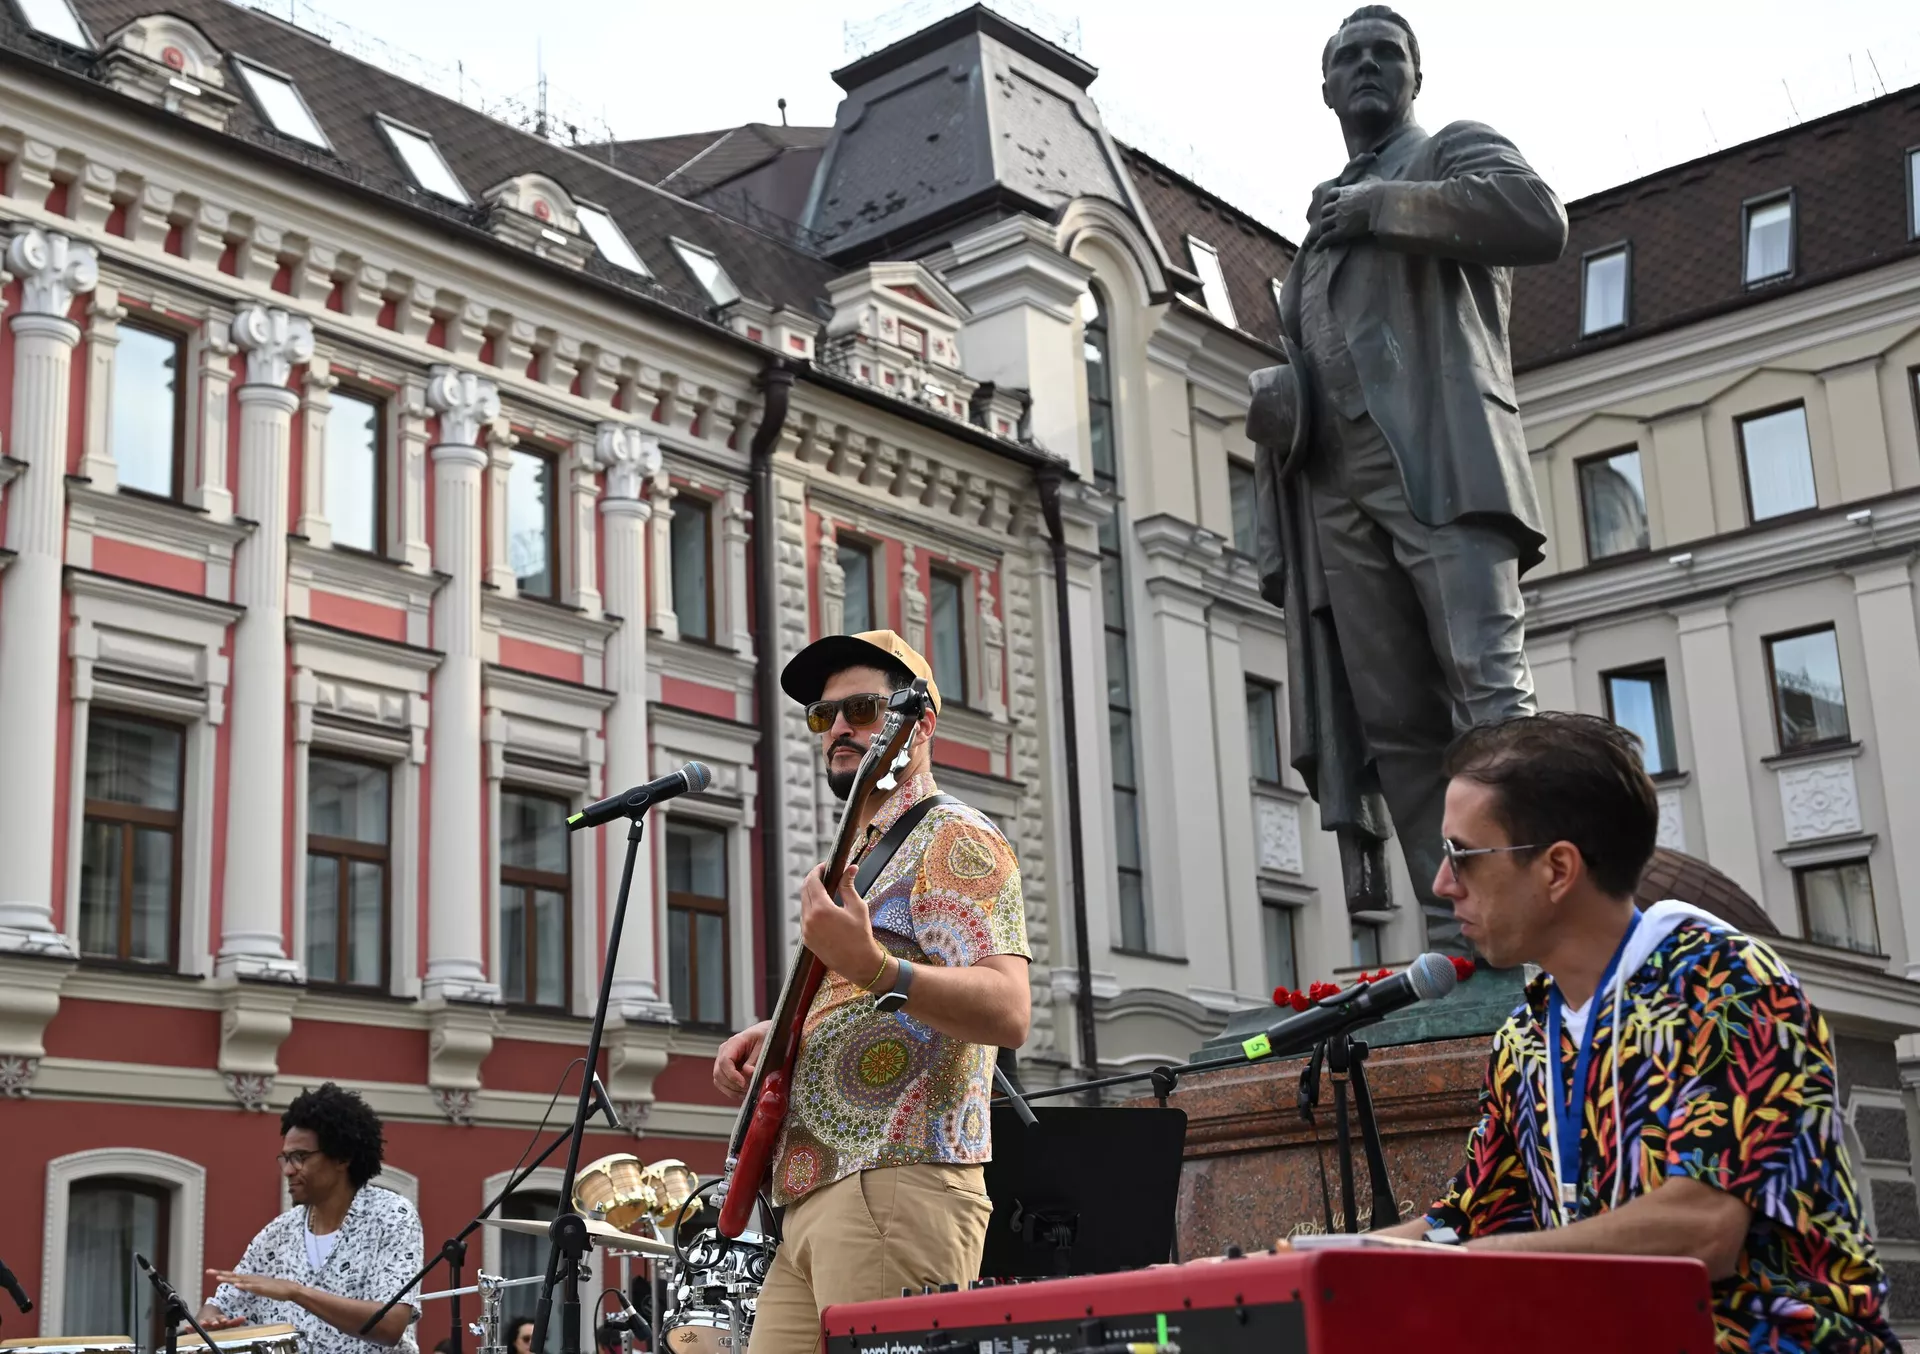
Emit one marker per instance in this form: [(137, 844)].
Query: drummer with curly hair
[(332, 1260)]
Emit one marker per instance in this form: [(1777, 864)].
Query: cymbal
[(598, 1234)]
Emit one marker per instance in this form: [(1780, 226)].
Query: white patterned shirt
[(378, 1248)]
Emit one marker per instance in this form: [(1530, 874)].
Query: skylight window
[(55, 19), (606, 237), (422, 159), (707, 269), (280, 103), (1213, 282)]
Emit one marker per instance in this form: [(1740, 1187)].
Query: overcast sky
[(1593, 94)]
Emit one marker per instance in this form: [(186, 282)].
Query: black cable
[(542, 1126)]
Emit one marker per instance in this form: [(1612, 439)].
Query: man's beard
[(841, 782)]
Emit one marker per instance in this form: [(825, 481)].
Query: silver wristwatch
[(896, 996)]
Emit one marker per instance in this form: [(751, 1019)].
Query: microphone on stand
[(606, 1101), (690, 779), (1427, 978)]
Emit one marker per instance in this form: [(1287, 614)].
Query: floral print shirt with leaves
[(1726, 1077)]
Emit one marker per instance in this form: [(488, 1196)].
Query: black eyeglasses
[(861, 711), (1455, 854), (295, 1159)]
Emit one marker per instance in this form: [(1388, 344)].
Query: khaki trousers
[(868, 1236)]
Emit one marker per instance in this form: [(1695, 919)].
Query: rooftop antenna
[(1790, 103), (1712, 135), (1877, 77), (783, 112), (540, 66)]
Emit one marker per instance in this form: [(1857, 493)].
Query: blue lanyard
[(1567, 1110)]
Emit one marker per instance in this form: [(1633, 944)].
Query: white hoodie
[(1656, 924)]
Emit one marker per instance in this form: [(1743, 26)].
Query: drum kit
[(705, 1286)]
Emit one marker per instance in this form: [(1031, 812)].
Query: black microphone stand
[(454, 1249), (568, 1230), (12, 1285), (175, 1310)]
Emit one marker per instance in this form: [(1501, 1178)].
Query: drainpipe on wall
[(1048, 481), (776, 383)]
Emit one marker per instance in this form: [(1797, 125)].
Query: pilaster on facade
[(104, 313), (252, 945), (662, 617), (53, 271), (316, 404), (210, 353), (833, 582), (255, 1019), (1020, 575), (796, 748), (29, 1000), (1883, 596), (913, 601), (1720, 763)]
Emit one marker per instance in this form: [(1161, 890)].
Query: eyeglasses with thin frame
[(861, 711), (295, 1159), (1455, 854)]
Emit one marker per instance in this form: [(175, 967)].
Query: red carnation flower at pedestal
[(1462, 968)]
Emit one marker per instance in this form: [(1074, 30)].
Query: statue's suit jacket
[(1423, 303)]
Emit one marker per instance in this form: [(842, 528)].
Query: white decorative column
[(1719, 749), (456, 961), (833, 582), (252, 942), (1890, 639), (664, 619), (316, 404), (993, 648), (630, 459), (52, 270), (913, 603), (733, 541), (581, 587)]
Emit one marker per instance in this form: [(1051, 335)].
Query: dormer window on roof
[(423, 162), (279, 102), (704, 266), (1213, 282), (55, 19), (609, 240)]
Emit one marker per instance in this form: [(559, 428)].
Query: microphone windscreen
[(698, 777), (1431, 976)]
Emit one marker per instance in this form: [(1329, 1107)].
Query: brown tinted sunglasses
[(861, 711)]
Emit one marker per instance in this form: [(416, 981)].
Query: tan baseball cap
[(806, 674)]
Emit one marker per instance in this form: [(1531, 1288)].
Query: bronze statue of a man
[(1397, 509)]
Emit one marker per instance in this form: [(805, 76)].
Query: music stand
[(1086, 1190)]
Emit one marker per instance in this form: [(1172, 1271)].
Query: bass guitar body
[(755, 1161)]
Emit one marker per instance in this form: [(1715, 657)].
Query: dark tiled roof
[(1673, 874), (344, 94), (1251, 256), (1849, 178), (703, 160)]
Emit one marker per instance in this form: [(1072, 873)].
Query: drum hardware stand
[(175, 1310), (491, 1322), (454, 1249)]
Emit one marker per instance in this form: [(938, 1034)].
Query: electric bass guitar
[(764, 1111)]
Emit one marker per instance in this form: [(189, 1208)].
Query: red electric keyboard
[(1324, 1301)]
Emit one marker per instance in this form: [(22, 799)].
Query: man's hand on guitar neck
[(733, 1066)]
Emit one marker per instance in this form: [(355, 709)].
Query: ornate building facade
[(381, 483)]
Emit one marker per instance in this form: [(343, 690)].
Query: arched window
[(104, 1206), (1130, 879)]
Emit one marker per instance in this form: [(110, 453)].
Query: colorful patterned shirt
[(872, 1089), (1727, 1077)]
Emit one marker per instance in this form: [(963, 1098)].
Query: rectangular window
[(353, 471), (423, 161), (1244, 499), (691, 536), (1603, 291), (130, 844), (1263, 730), (1613, 500), (697, 923), (1213, 281), (109, 1221), (950, 635), (535, 884), (708, 272), (279, 101), (1638, 702), (533, 523), (1277, 922), (149, 424), (609, 239), (347, 818), (55, 19), (1913, 194), (1366, 937), (1836, 906), (856, 568), (1809, 700), (1778, 462), (1769, 239)]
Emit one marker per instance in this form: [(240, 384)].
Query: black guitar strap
[(883, 849)]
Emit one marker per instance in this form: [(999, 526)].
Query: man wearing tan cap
[(880, 1166)]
